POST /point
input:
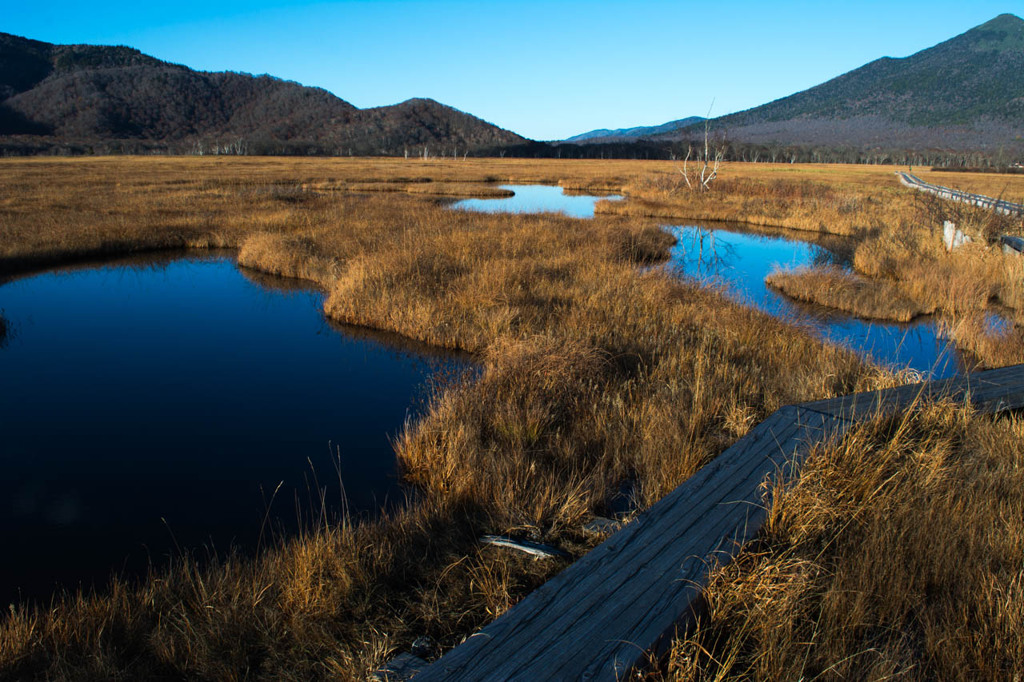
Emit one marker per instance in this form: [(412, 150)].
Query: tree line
[(29, 145)]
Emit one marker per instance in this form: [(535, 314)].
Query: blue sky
[(546, 70)]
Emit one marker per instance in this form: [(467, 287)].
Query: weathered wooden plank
[(1012, 244), (859, 405), (599, 618), (999, 390), (623, 596), (679, 574), (735, 530), (958, 195), (657, 592), (581, 601), (401, 668), (622, 544), (992, 390)]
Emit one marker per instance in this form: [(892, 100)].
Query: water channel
[(737, 258), (174, 402)]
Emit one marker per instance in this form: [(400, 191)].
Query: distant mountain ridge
[(966, 92), (97, 96), (637, 133)]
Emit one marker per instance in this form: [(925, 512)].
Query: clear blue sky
[(546, 70)]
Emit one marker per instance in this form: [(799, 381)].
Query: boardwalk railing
[(600, 617), (997, 205)]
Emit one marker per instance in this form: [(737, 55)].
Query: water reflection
[(536, 199), (739, 258), (163, 404)]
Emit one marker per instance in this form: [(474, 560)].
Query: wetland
[(168, 403), (604, 350)]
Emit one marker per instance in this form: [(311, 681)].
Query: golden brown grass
[(840, 200), (844, 290), (959, 285), (904, 269), (995, 345), (896, 553), (329, 604), (966, 280), (593, 371), (999, 185)]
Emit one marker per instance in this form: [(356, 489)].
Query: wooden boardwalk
[(981, 200), (600, 617)]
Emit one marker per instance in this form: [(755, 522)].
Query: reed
[(893, 554), (595, 370), (900, 266), (993, 344), (825, 205), (844, 290)]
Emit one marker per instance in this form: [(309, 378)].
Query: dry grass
[(329, 604), (995, 345), (999, 185), (841, 200), (960, 285), (844, 290), (896, 553), (913, 270), (838, 199), (904, 269), (594, 371)]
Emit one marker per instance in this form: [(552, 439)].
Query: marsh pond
[(736, 258), (178, 403)]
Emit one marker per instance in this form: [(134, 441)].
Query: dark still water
[(148, 406)]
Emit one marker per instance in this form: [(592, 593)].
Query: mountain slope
[(637, 133), (965, 92), (96, 95)]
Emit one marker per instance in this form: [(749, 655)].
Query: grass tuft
[(894, 554), (597, 373), (844, 290)]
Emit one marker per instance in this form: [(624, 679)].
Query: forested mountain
[(96, 98), (604, 135), (965, 93)]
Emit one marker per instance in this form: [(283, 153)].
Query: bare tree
[(708, 163)]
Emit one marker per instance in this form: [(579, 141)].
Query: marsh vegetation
[(895, 553), (900, 268), (597, 368)]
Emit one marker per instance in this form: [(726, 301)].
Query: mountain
[(967, 92), (604, 135), (103, 98)]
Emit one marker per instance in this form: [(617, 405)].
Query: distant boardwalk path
[(997, 205), (598, 618)]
